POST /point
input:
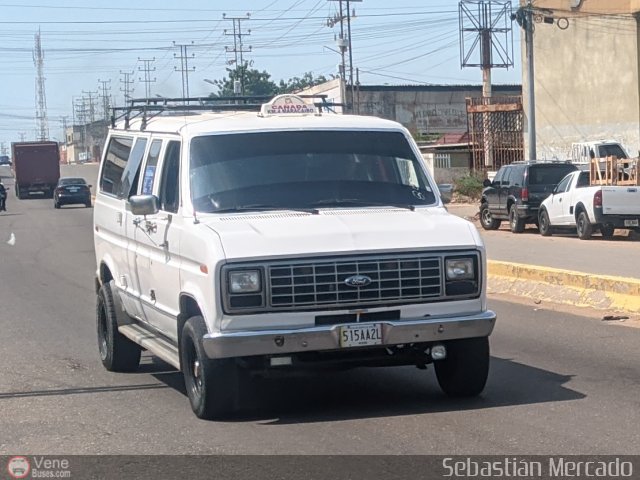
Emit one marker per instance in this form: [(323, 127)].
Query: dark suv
[(516, 192)]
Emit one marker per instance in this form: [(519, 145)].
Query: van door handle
[(119, 218)]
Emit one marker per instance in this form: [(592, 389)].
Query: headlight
[(460, 269), (244, 281)]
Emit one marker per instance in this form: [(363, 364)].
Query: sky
[(90, 45)]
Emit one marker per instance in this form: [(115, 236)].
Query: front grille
[(394, 280)]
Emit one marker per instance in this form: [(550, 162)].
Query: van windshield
[(305, 169)]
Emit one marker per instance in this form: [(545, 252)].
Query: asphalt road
[(559, 383)]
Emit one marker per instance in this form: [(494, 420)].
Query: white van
[(245, 239)]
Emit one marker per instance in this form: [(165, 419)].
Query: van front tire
[(212, 385), (117, 352), (465, 371)]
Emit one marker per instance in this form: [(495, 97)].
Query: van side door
[(157, 240), (111, 238)]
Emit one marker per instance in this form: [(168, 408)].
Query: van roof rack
[(149, 108)]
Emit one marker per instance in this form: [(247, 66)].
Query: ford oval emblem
[(358, 281)]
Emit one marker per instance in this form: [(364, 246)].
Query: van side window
[(150, 167), (115, 163), (131, 173), (170, 184)]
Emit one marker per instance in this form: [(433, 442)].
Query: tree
[(296, 84), (259, 83), (253, 81)]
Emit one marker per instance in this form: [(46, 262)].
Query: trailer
[(36, 168)]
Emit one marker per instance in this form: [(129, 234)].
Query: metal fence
[(495, 131)]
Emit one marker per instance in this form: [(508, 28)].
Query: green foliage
[(296, 84), (469, 186), (254, 81), (259, 83)]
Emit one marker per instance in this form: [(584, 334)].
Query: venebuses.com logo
[(18, 467)]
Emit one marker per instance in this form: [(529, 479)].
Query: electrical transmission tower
[(184, 67), (41, 97), (127, 88), (486, 41), (238, 48), (147, 69), (106, 98), (344, 43)]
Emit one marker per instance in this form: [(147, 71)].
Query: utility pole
[(23, 136), (238, 48), (344, 44), (63, 122), (91, 98), (127, 90), (106, 97), (531, 95), (147, 69), (41, 97), (184, 67)]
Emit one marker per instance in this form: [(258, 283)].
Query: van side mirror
[(486, 183), (144, 204)]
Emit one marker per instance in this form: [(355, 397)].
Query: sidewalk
[(602, 274)]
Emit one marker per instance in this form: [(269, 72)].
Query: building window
[(442, 160)]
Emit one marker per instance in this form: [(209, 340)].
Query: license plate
[(631, 223), (361, 335), (73, 189)]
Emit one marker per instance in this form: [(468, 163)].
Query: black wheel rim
[(194, 371), (102, 332)]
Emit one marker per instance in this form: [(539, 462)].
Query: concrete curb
[(601, 292)]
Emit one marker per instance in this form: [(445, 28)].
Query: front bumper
[(276, 342)]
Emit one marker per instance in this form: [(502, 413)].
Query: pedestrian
[(3, 198)]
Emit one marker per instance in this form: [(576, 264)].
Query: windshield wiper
[(258, 207), (354, 202)]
